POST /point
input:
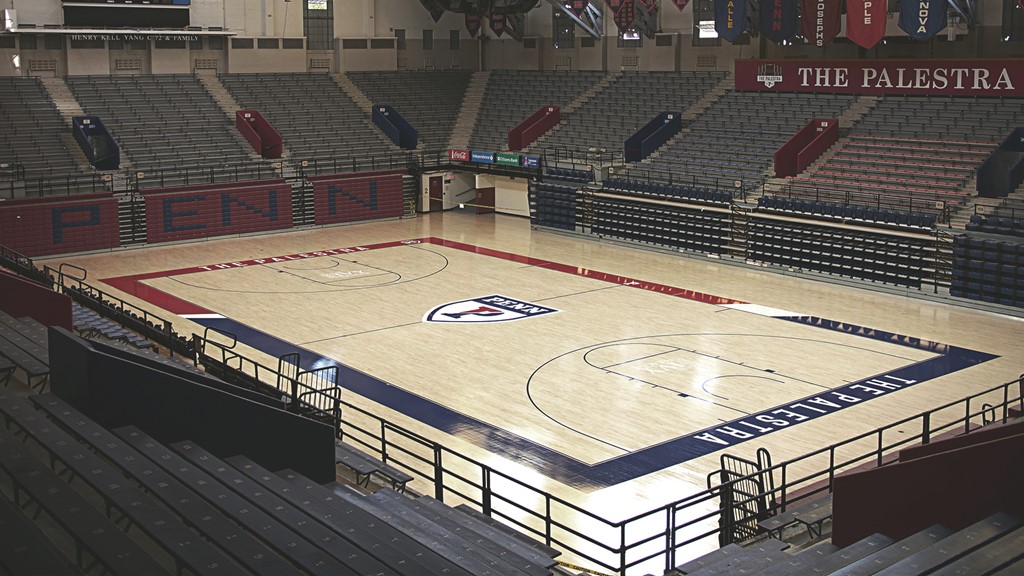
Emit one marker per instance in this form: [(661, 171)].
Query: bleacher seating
[(23, 344), (849, 252), (1006, 226), (846, 212), (911, 152), (512, 95), (624, 106), (988, 270), (660, 224), (315, 117), (167, 126), (666, 191), (735, 140), (32, 139), (429, 99)]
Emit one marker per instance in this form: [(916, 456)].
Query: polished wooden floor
[(646, 355)]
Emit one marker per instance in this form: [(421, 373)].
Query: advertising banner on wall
[(482, 157), (922, 19), (876, 77), (822, 20), (865, 21), (507, 159), (459, 155), (778, 19), (730, 18)]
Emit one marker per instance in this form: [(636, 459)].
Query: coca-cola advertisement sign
[(459, 155), (945, 77)]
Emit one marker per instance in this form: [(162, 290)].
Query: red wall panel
[(206, 212), (59, 226), (357, 197)]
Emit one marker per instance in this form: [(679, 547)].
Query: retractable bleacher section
[(624, 106), (429, 99), (512, 95), (168, 126), (736, 138), (31, 138), (912, 153), (988, 269), (315, 117)]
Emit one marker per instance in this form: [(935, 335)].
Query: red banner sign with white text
[(865, 21), (924, 77)]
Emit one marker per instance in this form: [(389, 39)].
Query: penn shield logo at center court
[(494, 308)]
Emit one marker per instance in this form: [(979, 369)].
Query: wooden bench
[(812, 515), (26, 355), (276, 535), (24, 549), (92, 532), (329, 508), (364, 466), (138, 509), (498, 544), (954, 546), (203, 517)]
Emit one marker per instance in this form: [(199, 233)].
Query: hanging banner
[(778, 19), (498, 23), (922, 19), (681, 4), (822, 20), (579, 7), (730, 18), (472, 24), (625, 15), (865, 21), (879, 77)]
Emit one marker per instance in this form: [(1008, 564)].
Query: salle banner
[(865, 21), (922, 77), (778, 19), (922, 19), (730, 18), (822, 20)]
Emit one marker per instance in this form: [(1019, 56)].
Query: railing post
[(438, 474), (485, 488), (926, 425)]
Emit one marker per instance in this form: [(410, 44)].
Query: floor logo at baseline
[(493, 308)]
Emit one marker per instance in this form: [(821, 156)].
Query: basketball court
[(608, 375)]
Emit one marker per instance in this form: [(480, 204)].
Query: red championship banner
[(472, 24), (497, 23), (681, 4), (624, 15), (648, 4), (822, 20), (579, 7), (865, 21), (878, 77)]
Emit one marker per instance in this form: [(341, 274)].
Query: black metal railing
[(936, 203)]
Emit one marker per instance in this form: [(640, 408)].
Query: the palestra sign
[(924, 77)]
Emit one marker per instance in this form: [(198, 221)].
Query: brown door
[(436, 189)]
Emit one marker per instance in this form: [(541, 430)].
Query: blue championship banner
[(778, 19), (730, 18), (922, 19)]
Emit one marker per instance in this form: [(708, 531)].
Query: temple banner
[(923, 77)]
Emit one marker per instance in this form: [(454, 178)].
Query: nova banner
[(730, 18), (865, 21), (877, 77), (822, 20), (778, 19), (922, 19)]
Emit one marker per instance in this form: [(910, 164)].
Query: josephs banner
[(822, 20)]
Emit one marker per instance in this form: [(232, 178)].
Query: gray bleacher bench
[(6, 369), (25, 549), (92, 532), (364, 466), (197, 512), (36, 372), (812, 515)]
